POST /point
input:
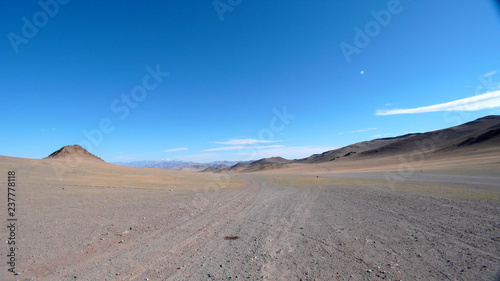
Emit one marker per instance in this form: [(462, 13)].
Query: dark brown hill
[(73, 151), (481, 132)]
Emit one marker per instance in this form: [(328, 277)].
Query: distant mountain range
[(177, 165), (478, 136)]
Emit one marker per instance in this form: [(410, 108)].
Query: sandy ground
[(102, 222)]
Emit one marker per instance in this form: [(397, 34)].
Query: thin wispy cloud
[(491, 73), (244, 142), (241, 147), (362, 130), (382, 135), (176, 149), (357, 131), (475, 103)]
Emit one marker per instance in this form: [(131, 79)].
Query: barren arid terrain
[(306, 140), (97, 221)]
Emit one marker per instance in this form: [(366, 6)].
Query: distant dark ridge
[(398, 137), (271, 160), (481, 138)]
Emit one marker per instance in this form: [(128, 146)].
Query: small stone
[(369, 270)]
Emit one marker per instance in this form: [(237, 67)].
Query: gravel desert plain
[(416, 207)]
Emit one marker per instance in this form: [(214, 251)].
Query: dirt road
[(281, 228)]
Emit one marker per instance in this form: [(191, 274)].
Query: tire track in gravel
[(147, 246), (308, 231), (354, 233)]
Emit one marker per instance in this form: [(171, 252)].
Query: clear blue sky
[(65, 67)]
